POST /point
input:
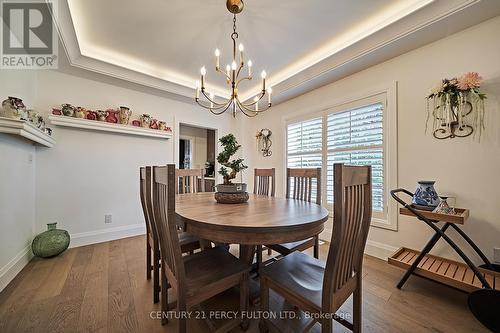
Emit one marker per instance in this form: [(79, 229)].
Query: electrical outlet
[(496, 254), (108, 218)]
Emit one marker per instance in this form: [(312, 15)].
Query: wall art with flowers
[(457, 107)]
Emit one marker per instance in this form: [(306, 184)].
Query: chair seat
[(188, 242), (299, 275), (287, 248), (211, 266)]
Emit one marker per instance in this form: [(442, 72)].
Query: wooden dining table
[(260, 220)]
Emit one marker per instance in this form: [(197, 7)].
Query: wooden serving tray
[(459, 218), (449, 272)]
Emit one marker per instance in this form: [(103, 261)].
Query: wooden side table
[(464, 276)]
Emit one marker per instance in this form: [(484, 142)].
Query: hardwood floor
[(103, 288)]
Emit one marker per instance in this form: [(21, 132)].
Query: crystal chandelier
[(234, 76)]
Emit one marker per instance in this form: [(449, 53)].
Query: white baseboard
[(13, 267), (379, 250), (373, 248), (105, 235)]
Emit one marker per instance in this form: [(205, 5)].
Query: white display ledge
[(107, 127), (26, 130)]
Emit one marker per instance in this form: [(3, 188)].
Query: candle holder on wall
[(264, 142)]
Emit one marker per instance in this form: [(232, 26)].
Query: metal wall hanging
[(264, 142), (457, 107)]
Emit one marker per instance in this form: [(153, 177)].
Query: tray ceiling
[(166, 42)]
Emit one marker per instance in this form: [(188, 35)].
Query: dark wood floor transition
[(102, 288)]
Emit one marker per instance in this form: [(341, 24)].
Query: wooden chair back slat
[(186, 181), (351, 222), (302, 182), (146, 192), (164, 212), (264, 182)]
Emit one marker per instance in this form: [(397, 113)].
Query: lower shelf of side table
[(449, 272)]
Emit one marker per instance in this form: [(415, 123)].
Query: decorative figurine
[(56, 112), (154, 124), (136, 123)]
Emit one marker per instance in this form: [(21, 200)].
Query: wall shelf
[(107, 127), (26, 130)]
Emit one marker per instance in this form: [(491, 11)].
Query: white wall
[(89, 174), (463, 167), (17, 182), (199, 142)]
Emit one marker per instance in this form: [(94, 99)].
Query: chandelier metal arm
[(249, 78), (246, 108), (211, 100), (259, 98), (206, 106)]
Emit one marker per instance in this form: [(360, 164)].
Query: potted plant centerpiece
[(229, 192)]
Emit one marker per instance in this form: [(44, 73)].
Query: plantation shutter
[(355, 137)]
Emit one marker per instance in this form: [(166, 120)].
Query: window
[(304, 146), (359, 132), (356, 137)]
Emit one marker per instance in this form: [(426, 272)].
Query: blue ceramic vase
[(425, 194)]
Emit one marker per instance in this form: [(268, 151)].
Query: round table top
[(261, 220)]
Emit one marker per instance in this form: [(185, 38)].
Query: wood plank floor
[(103, 288)]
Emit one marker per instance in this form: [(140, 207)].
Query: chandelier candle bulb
[(217, 58), (249, 68), (211, 100), (197, 89), (269, 92), (203, 71), (241, 48)]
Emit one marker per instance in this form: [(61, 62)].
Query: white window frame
[(387, 94)]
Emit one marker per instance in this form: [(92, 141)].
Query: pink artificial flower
[(469, 80)]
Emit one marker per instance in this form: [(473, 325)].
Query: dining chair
[(197, 277), (189, 243), (320, 288), (264, 183), (186, 181), (302, 184)]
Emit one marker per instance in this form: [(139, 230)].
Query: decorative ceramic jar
[(145, 120), (124, 115), (162, 125), (101, 115), (91, 115), (80, 112), (11, 108), (111, 116), (51, 242), (154, 124), (68, 110), (40, 123), (33, 117), (425, 194)]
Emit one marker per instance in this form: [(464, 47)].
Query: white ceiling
[(169, 41)]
